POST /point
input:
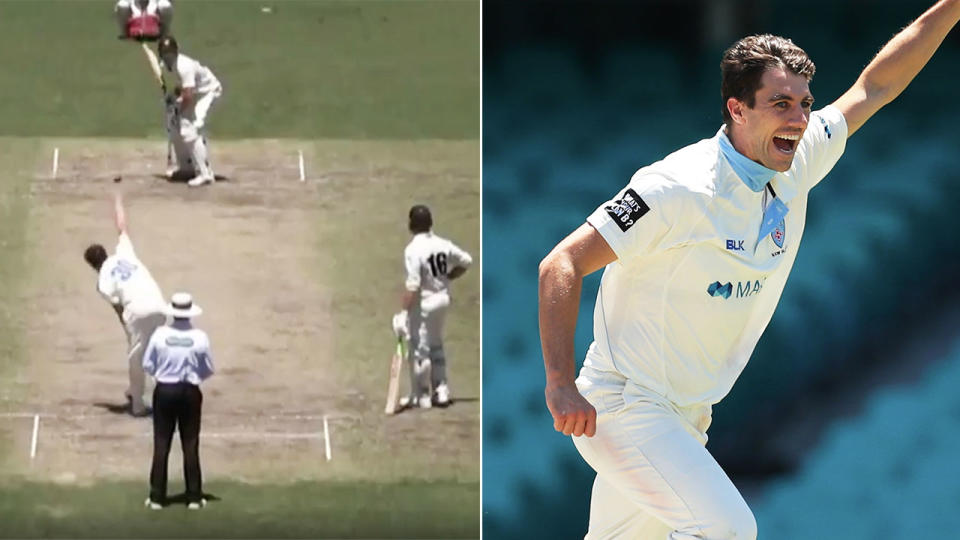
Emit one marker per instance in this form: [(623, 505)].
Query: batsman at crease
[(186, 113), (431, 263)]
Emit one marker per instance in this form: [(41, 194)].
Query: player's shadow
[(117, 408), (453, 403), (184, 178)]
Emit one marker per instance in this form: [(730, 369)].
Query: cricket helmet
[(420, 219), (167, 45)]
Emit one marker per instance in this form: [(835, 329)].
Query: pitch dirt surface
[(250, 250)]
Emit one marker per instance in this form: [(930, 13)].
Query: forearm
[(120, 217), (186, 97), (559, 303), (902, 58), (406, 302)]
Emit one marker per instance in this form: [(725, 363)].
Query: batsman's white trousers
[(655, 479), (428, 362), (192, 122), (139, 330), (182, 152)]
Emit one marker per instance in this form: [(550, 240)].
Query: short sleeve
[(821, 146), (151, 353), (643, 218), (205, 359), (125, 247), (412, 264)]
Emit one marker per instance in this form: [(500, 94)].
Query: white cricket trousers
[(428, 362), (139, 330), (655, 479), (193, 121)]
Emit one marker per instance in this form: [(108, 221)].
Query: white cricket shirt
[(152, 7), (125, 281), (195, 75), (428, 259), (178, 353), (694, 286)]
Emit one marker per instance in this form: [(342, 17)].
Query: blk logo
[(735, 245)]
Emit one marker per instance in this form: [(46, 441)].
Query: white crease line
[(326, 437), (212, 415), (203, 435), (33, 439)]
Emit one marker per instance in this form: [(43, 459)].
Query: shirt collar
[(181, 324), (753, 174)]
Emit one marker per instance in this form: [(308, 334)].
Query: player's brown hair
[(95, 255), (745, 62)]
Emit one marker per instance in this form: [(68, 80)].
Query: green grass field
[(364, 69), (395, 74), (301, 510)]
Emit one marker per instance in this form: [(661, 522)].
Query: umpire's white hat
[(181, 306)]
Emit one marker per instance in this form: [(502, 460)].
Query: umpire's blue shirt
[(178, 353)]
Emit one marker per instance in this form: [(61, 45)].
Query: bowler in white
[(696, 250), (126, 283)]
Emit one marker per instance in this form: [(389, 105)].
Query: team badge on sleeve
[(627, 210)]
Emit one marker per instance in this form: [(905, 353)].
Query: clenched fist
[(572, 413)]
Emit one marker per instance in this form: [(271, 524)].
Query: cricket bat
[(158, 75), (393, 387)]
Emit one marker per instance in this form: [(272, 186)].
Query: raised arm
[(120, 217), (897, 63), (561, 279)]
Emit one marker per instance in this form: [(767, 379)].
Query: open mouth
[(786, 143)]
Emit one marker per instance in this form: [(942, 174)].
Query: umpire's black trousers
[(176, 404)]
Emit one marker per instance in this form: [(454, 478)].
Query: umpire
[(178, 357)]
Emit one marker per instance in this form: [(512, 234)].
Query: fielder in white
[(197, 91), (697, 249), (127, 284), (431, 263), (125, 10)]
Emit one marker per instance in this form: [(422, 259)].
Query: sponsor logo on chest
[(739, 289)]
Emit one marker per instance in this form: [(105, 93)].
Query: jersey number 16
[(438, 264)]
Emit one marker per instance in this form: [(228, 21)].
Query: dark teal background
[(576, 97)]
